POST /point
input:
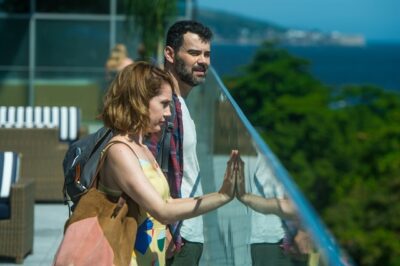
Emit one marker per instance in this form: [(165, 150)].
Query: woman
[(136, 104), (271, 243), (117, 61)]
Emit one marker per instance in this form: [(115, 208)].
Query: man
[(187, 58)]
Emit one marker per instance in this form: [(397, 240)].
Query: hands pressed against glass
[(228, 186), (234, 186)]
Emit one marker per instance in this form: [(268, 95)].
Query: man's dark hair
[(178, 29)]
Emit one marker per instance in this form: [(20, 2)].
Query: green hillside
[(229, 27)]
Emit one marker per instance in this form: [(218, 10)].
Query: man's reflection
[(275, 237)]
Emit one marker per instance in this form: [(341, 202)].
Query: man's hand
[(240, 188)]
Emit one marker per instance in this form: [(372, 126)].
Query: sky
[(376, 20)]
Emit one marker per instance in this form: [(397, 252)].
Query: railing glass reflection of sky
[(221, 126)]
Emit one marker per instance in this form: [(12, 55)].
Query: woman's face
[(159, 108)]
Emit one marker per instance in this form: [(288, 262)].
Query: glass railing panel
[(14, 42), (72, 43), (128, 35), (234, 230), (71, 86), (14, 86), (73, 6), (15, 7), (70, 64)]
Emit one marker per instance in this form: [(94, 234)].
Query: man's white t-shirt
[(265, 228), (192, 229)]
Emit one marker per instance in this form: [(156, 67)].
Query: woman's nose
[(167, 111)]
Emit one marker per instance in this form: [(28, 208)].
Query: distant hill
[(232, 28), (235, 29)]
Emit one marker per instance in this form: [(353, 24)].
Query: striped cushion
[(66, 118), (9, 175), (9, 172)]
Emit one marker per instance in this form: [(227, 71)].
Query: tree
[(151, 17)]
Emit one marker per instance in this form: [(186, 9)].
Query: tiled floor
[(49, 223)]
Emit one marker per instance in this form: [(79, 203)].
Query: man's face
[(192, 59)]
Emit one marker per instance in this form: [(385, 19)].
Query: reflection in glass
[(72, 43), (15, 6), (128, 35), (73, 6), (237, 233), (276, 235), (14, 42), (81, 87), (14, 87)]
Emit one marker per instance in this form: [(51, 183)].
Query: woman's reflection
[(275, 238)]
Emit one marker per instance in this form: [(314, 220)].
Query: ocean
[(374, 64)]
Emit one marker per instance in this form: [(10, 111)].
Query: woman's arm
[(123, 167), (281, 207), (180, 200)]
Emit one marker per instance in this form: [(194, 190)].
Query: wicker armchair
[(16, 233), (42, 156)]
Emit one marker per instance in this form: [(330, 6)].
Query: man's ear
[(169, 54)]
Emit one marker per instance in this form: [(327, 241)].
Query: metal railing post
[(32, 54), (113, 13)]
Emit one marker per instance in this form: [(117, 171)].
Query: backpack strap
[(100, 141), (94, 181), (124, 197)]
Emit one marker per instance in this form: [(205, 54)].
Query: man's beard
[(186, 75)]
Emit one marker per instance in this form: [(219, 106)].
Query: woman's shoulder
[(119, 146)]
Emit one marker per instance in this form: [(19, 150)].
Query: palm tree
[(151, 17)]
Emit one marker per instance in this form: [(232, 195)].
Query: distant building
[(347, 40)]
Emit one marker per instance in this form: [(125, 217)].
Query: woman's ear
[(169, 54)]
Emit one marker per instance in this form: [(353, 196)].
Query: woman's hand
[(228, 186)]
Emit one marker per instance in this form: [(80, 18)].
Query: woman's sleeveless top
[(150, 238)]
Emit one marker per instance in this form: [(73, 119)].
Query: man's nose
[(202, 59)]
